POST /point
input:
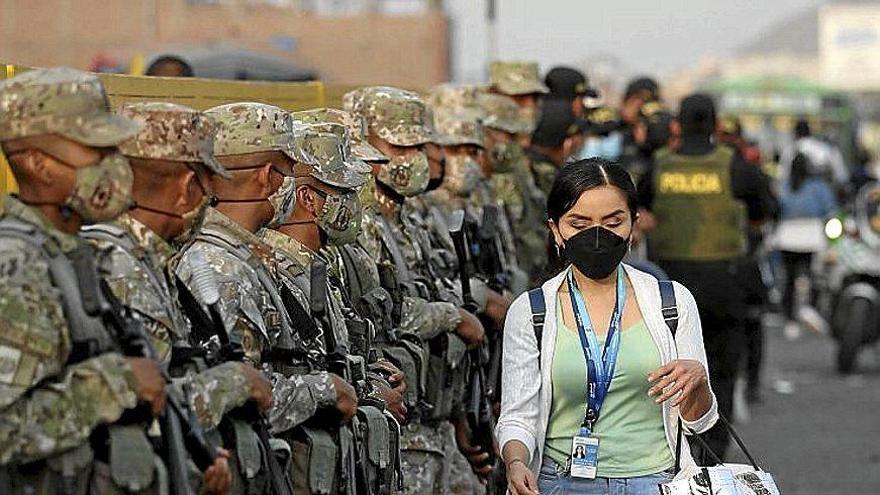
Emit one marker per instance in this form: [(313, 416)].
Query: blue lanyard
[(600, 362)]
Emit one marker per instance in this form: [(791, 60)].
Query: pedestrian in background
[(807, 200)]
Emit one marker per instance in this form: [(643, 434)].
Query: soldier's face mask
[(406, 174), (367, 193), (101, 191), (340, 218), (462, 175), (282, 200), (504, 156), (192, 220)]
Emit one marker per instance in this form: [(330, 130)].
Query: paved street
[(818, 433)]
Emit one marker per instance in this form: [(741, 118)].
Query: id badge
[(584, 458)]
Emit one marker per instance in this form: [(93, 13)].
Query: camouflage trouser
[(460, 479), (422, 473)]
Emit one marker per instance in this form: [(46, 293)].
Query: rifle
[(478, 409), (230, 349), (338, 362), (98, 299)]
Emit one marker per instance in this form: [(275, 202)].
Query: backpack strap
[(669, 309), (539, 311), (668, 305)]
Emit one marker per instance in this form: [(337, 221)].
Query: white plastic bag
[(727, 479)]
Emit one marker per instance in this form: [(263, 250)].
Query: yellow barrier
[(197, 93)]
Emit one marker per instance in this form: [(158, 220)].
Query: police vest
[(698, 217)]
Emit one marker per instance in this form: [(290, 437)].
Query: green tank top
[(632, 438), (698, 217)]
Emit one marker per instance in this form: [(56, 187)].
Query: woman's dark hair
[(800, 171), (575, 178)]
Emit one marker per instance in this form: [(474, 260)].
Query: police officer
[(701, 198), (553, 142), (572, 85), (59, 358), (645, 124)]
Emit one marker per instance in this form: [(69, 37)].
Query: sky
[(652, 36)]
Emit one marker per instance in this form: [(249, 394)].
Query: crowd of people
[(337, 301)]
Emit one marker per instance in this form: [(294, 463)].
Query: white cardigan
[(525, 401)]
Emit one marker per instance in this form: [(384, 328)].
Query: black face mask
[(596, 251)]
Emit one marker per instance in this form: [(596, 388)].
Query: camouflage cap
[(61, 101), (357, 130), (395, 115), (325, 153), (172, 132), (248, 127), (503, 113), (516, 78), (454, 97), (455, 128)]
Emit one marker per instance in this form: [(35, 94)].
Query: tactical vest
[(251, 472), (284, 346), (126, 458), (698, 217)]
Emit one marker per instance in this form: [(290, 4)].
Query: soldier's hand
[(470, 329), (218, 477), (394, 402), (149, 383), (473, 453), (496, 309), (346, 398), (261, 387), (395, 376)]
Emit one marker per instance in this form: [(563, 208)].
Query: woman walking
[(613, 430)]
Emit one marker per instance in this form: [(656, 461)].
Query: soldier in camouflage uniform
[(173, 164), (513, 183), (328, 211), (399, 126), (62, 381), (460, 138), (255, 143), (522, 82), (357, 153)]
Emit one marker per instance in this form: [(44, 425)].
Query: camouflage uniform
[(401, 118), (457, 121), (55, 393), (137, 260), (518, 79), (514, 186), (250, 304)]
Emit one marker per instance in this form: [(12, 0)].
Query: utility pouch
[(132, 460), (404, 361), (377, 449), (69, 473), (247, 449), (314, 466), (394, 476), (420, 354)]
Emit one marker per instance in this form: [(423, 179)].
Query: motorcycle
[(849, 273)]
